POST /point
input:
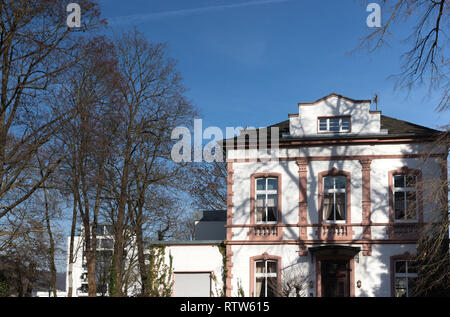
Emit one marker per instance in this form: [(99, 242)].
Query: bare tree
[(426, 62), (35, 48), (209, 188), (154, 103), (294, 282), (89, 137), (432, 257)]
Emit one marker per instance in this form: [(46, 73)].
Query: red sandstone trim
[(253, 223), (396, 224), (302, 203), (286, 143), (350, 232), (366, 204), (338, 158), (333, 95), (229, 253), (318, 242), (264, 257), (315, 225)]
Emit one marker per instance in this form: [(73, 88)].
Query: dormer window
[(334, 124)]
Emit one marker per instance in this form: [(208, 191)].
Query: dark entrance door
[(335, 278)]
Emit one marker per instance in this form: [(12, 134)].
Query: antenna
[(375, 100)]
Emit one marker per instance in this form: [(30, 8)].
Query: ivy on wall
[(223, 250), (159, 277)]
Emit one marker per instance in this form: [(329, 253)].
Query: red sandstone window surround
[(405, 195), (265, 275), (265, 198), (403, 275), (334, 196)]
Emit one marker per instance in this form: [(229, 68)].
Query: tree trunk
[(51, 251), (71, 243), (90, 248)]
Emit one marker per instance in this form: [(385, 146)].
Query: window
[(266, 200), (107, 243), (405, 275), (337, 124), (405, 197), (266, 279), (334, 198), (84, 288)]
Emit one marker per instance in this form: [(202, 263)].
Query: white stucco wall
[(373, 271), (198, 258), (362, 121), (290, 193)]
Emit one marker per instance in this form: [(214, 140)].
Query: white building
[(339, 202), (105, 247)]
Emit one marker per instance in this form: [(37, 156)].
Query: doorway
[(335, 276)]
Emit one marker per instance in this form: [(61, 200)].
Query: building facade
[(336, 206), (332, 206)]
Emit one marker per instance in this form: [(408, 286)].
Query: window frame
[(264, 257), (405, 189), (334, 191), (393, 260), (328, 120), (407, 275), (419, 190), (348, 198), (266, 192), (253, 215), (265, 275)]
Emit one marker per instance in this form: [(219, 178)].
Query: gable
[(362, 120)]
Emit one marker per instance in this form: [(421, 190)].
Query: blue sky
[(249, 62)]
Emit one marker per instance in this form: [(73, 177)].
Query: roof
[(332, 95), (395, 127), (214, 215)]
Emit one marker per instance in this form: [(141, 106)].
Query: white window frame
[(328, 130), (334, 191), (266, 192), (405, 275), (265, 275), (405, 190)]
